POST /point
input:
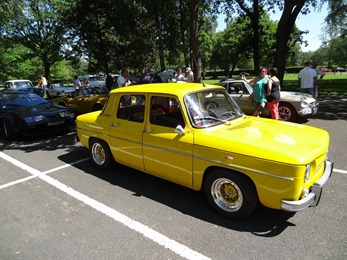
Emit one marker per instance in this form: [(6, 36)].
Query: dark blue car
[(29, 114)]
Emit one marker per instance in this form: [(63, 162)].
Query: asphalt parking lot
[(55, 205)]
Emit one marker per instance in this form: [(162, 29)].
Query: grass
[(332, 83)]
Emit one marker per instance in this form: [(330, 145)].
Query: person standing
[(320, 76), (307, 79), (273, 93), (122, 80), (44, 82), (259, 94), (179, 77), (77, 85), (190, 75), (109, 82)]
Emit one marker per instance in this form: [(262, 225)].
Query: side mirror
[(179, 129)]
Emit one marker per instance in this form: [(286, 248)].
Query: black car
[(29, 114)]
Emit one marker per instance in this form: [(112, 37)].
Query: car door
[(167, 154), (127, 129)]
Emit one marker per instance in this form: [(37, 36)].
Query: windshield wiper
[(213, 118)]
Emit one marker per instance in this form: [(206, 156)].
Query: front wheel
[(100, 154), (231, 194), (286, 112), (8, 130)]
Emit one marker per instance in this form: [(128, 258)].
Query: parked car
[(165, 75), (340, 69), (94, 80), (325, 70), (29, 114), (56, 89), (91, 99), (292, 104), (23, 85), (167, 130)]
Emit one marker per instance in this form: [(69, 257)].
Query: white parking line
[(150, 233), (340, 171)]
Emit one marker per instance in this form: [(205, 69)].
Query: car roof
[(17, 80), (166, 88)]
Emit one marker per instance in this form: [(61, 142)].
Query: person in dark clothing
[(109, 82), (273, 94)]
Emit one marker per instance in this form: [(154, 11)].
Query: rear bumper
[(312, 199)]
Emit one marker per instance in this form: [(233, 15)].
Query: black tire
[(100, 154), (287, 112), (8, 131), (231, 194)]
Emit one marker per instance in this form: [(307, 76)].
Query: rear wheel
[(231, 194), (287, 112), (100, 154)]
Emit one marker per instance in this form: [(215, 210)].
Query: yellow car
[(196, 136), (88, 100)]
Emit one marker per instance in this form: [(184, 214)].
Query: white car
[(292, 104), (93, 80), (22, 85)]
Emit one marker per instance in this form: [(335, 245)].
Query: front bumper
[(312, 199), (309, 110)]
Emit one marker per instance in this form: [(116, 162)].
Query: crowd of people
[(267, 87)]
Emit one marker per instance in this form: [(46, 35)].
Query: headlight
[(32, 119), (307, 172)]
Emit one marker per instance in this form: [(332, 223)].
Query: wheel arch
[(211, 169)]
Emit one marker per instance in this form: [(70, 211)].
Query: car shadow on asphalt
[(263, 222)]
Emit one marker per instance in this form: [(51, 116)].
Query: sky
[(312, 22)]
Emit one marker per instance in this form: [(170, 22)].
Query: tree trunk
[(285, 26), (194, 39)]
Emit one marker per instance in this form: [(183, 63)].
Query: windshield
[(211, 107), (96, 78), (26, 84), (21, 100)]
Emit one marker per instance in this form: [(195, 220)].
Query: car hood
[(44, 109), (297, 96), (267, 139)]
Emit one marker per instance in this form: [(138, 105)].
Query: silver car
[(292, 104), (56, 89)]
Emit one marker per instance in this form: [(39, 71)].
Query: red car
[(325, 70)]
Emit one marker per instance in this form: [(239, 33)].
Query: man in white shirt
[(190, 75), (179, 77), (307, 79), (77, 85), (122, 80)]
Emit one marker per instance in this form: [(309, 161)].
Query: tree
[(285, 39), (37, 25)]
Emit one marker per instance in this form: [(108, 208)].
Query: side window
[(166, 111), (132, 108), (235, 88)]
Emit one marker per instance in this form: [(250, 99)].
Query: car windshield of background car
[(23, 84)]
